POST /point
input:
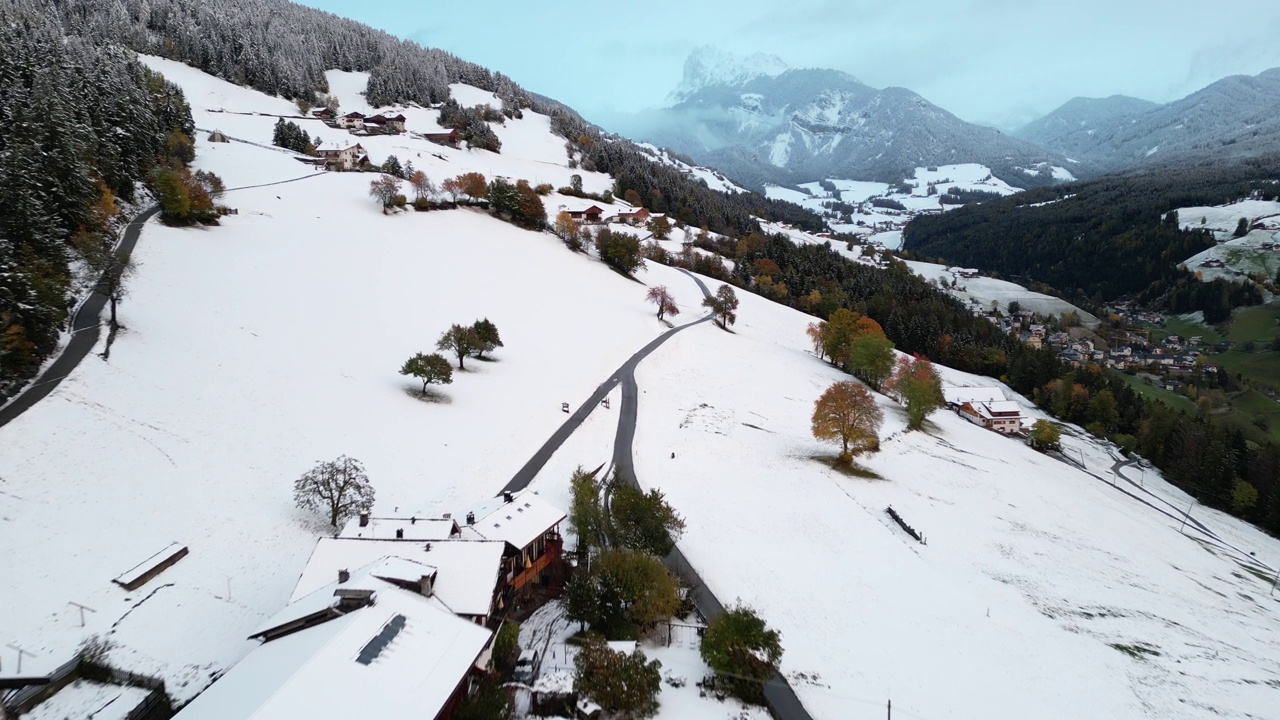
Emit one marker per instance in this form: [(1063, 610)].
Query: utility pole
[(890, 710), (1184, 517)]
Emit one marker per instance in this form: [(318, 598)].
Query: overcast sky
[(999, 62)]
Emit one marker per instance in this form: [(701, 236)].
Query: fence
[(155, 706)]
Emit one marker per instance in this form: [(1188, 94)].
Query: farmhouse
[(366, 644), (1003, 416), (448, 139), (387, 123), (635, 216), (957, 396), (336, 157), (530, 527), (351, 121), (324, 113), (411, 528), (584, 214), (463, 575)]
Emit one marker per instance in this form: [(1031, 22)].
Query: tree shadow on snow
[(850, 469), (430, 396)]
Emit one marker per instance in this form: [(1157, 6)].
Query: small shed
[(217, 136)]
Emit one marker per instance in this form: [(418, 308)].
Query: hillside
[(1231, 118), (768, 124), (255, 348)]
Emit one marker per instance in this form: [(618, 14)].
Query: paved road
[(781, 698), (85, 328)]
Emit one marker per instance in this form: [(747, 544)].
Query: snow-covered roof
[(466, 570), (518, 522), (411, 528), (961, 395), (1003, 406), (401, 657)]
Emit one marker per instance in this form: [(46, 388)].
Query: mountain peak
[(708, 65)]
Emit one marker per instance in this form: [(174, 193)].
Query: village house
[(337, 157), (634, 216), (386, 123), (589, 214), (351, 121), (324, 113), (463, 575), (985, 407), (366, 527), (530, 527), (448, 139), (371, 642)]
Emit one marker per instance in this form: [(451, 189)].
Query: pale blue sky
[(993, 61)]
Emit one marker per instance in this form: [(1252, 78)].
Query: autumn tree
[(636, 590), (385, 189), (474, 185), (423, 188), (660, 227), (487, 337), (620, 250), (847, 413), (743, 651), (659, 295), (870, 357), (644, 520), (453, 188), (566, 228), (459, 340), (918, 386), (1045, 435), (338, 487), (624, 685), (723, 306), (433, 368)]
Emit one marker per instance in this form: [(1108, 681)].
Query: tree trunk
[(112, 298), (333, 515), (461, 357), (424, 386)]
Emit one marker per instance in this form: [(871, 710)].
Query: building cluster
[(394, 617)]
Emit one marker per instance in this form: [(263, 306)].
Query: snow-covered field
[(255, 349), (983, 291), (1034, 572), (1239, 255)]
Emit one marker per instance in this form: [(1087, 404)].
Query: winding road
[(86, 326), (781, 698)]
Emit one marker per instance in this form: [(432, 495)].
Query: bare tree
[(339, 487), (112, 267), (659, 295), (384, 190)]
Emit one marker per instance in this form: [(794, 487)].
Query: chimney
[(364, 519), (507, 497), (413, 521), (343, 576), (399, 533), (426, 586), (471, 518)]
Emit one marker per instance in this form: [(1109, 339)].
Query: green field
[(1254, 323), (1261, 368), (1256, 415), (1190, 328), (1151, 392)]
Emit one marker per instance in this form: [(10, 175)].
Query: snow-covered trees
[(846, 413), (340, 488), (287, 134), (659, 295)]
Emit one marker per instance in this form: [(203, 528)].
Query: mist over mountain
[(1238, 116), (761, 122)]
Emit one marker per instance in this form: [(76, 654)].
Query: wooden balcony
[(536, 567)]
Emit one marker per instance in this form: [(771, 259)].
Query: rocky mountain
[(762, 123), (1238, 116)]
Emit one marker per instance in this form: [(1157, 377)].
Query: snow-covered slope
[(254, 349), (708, 66)]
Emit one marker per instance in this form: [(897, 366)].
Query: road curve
[(781, 698), (85, 328)]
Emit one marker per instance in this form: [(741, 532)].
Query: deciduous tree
[(644, 520), (635, 587), (847, 413), (340, 488), (659, 295), (624, 685), (385, 189), (487, 338), (723, 306), (433, 368), (660, 227), (918, 386), (1045, 435), (742, 650), (423, 188), (459, 340)]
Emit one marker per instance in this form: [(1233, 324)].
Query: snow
[(519, 522), (87, 700), (983, 291), (468, 96), (410, 528), (316, 673), (132, 575), (466, 571), (713, 178), (1033, 569), (255, 349), (1239, 255)]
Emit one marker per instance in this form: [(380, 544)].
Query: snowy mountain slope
[(1231, 118), (708, 66), (1079, 115), (254, 349), (1037, 583), (802, 125)]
